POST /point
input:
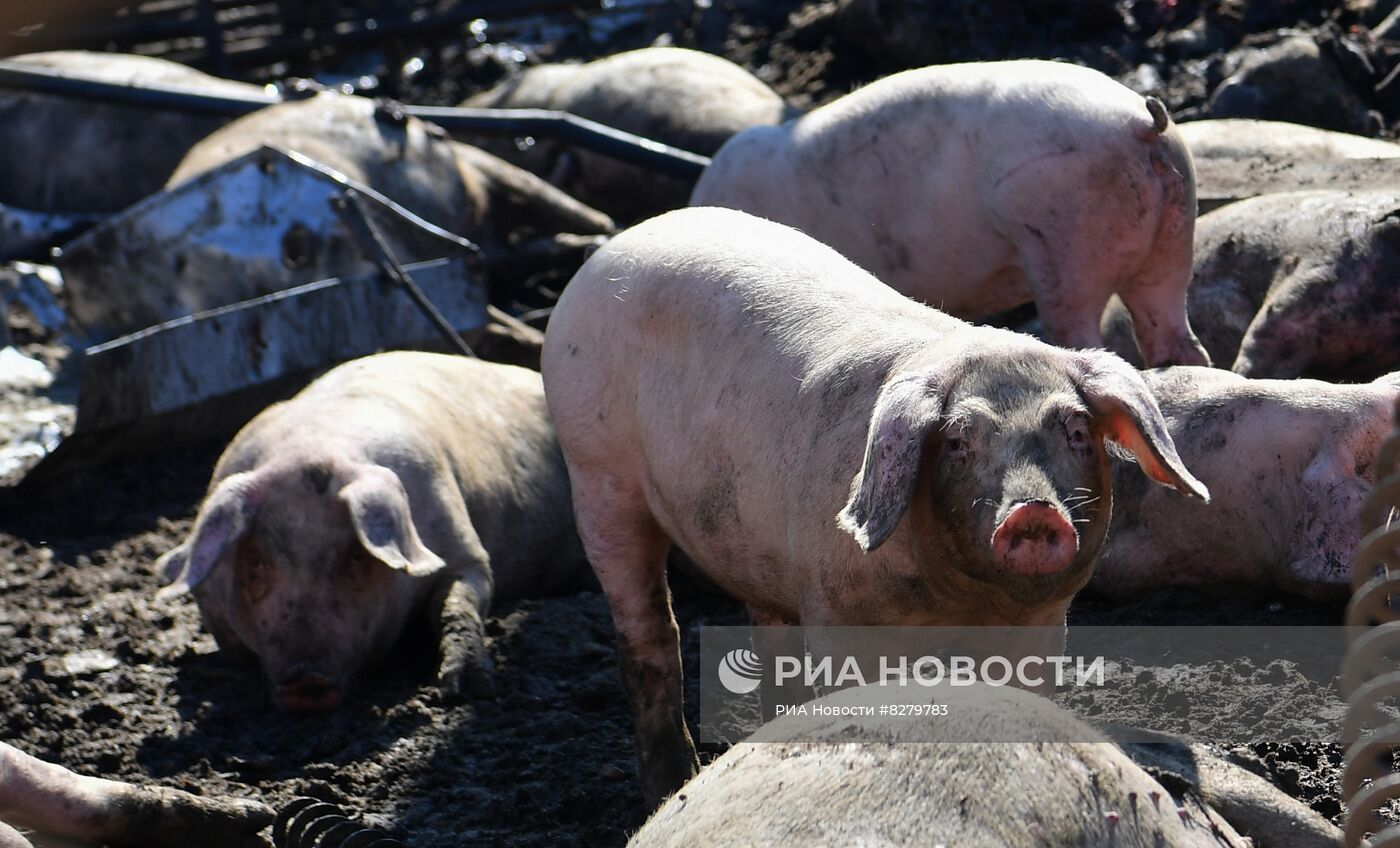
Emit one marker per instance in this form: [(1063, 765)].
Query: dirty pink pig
[(395, 486), (979, 187), (825, 449)]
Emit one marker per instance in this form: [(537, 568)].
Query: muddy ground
[(95, 673), (98, 675)]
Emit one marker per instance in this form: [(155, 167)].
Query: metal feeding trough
[(208, 301)]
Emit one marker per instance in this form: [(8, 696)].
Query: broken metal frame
[(599, 138), (160, 385), (353, 213)]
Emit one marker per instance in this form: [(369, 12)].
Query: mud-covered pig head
[(313, 567), (999, 455)]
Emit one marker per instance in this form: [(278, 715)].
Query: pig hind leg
[(1068, 302), (628, 551), (776, 636), (1163, 332)]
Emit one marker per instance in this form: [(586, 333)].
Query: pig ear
[(380, 514), (224, 518), (906, 411), (1126, 413)]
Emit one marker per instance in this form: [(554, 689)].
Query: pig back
[(407, 163), (902, 176)]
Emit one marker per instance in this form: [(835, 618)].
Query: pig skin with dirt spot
[(1297, 284), (980, 187), (395, 486), (1289, 463), (730, 386), (48, 800), (457, 187), (887, 782), (685, 98)]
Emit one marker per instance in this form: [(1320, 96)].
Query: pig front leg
[(628, 551), (1157, 303), (776, 636), (465, 668), (1283, 340), (52, 800)]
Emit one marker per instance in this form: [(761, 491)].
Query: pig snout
[(304, 690), (1035, 537)]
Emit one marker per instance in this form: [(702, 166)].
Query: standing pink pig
[(397, 485), (824, 449), (980, 187)]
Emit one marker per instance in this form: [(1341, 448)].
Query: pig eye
[(361, 564), (955, 442), (254, 575), (1077, 432)]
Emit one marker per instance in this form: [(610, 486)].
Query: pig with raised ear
[(1290, 463), (47, 801), (395, 486), (980, 187), (821, 447)]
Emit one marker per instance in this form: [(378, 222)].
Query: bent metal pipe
[(592, 135)]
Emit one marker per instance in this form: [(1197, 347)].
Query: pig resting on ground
[(1298, 284), (1289, 463), (980, 187), (394, 484), (685, 98), (458, 187), (69, 155), (893, 782), (733, 387)]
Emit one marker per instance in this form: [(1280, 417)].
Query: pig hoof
[(468, 682)]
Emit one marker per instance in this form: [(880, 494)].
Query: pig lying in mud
[(1273, 141), (395, 484), (1289, 463), (877, 784), (460, 188), (1295, 284), (684, 98), (731, 386), (980, 187), (69, 155), (39, 799)]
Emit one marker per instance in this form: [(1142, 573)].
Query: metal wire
[(312, 823), (1371, 670)]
